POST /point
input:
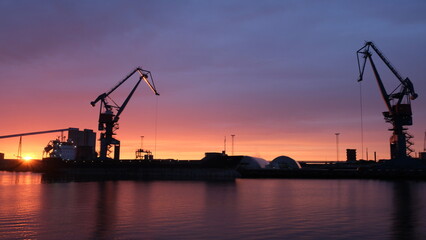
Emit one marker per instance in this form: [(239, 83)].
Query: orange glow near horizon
[(194, 146)]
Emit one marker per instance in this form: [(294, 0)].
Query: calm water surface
[(33, 208)]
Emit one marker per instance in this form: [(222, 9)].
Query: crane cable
[(424, 143), (362, 120), (155, 126)]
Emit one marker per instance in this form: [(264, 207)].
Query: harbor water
[(35, 207)]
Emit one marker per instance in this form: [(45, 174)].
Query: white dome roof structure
[(248, 162), (284, 162)]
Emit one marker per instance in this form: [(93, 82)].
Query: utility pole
[(224, 145), (337, 145), (233, 135)]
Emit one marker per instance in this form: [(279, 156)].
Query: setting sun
[(27, 158)]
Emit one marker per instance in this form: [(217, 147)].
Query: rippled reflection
[(33, 207), (405, 212)]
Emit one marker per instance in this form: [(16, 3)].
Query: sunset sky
[(280, 75)]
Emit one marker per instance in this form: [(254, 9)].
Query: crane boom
[(406, 83), (108, 120), (386, 61), (143, 73), (399, 112)]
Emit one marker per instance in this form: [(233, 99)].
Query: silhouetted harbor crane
[(110, 113), (398, 102)]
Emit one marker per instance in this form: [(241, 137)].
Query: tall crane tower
[(109, 113), (398, 102)]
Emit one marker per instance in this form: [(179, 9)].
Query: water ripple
[(244, 209)]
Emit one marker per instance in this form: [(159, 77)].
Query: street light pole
[(337, 145), (233, 135)]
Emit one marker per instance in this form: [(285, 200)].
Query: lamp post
[(337, 145), (233, 135)]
